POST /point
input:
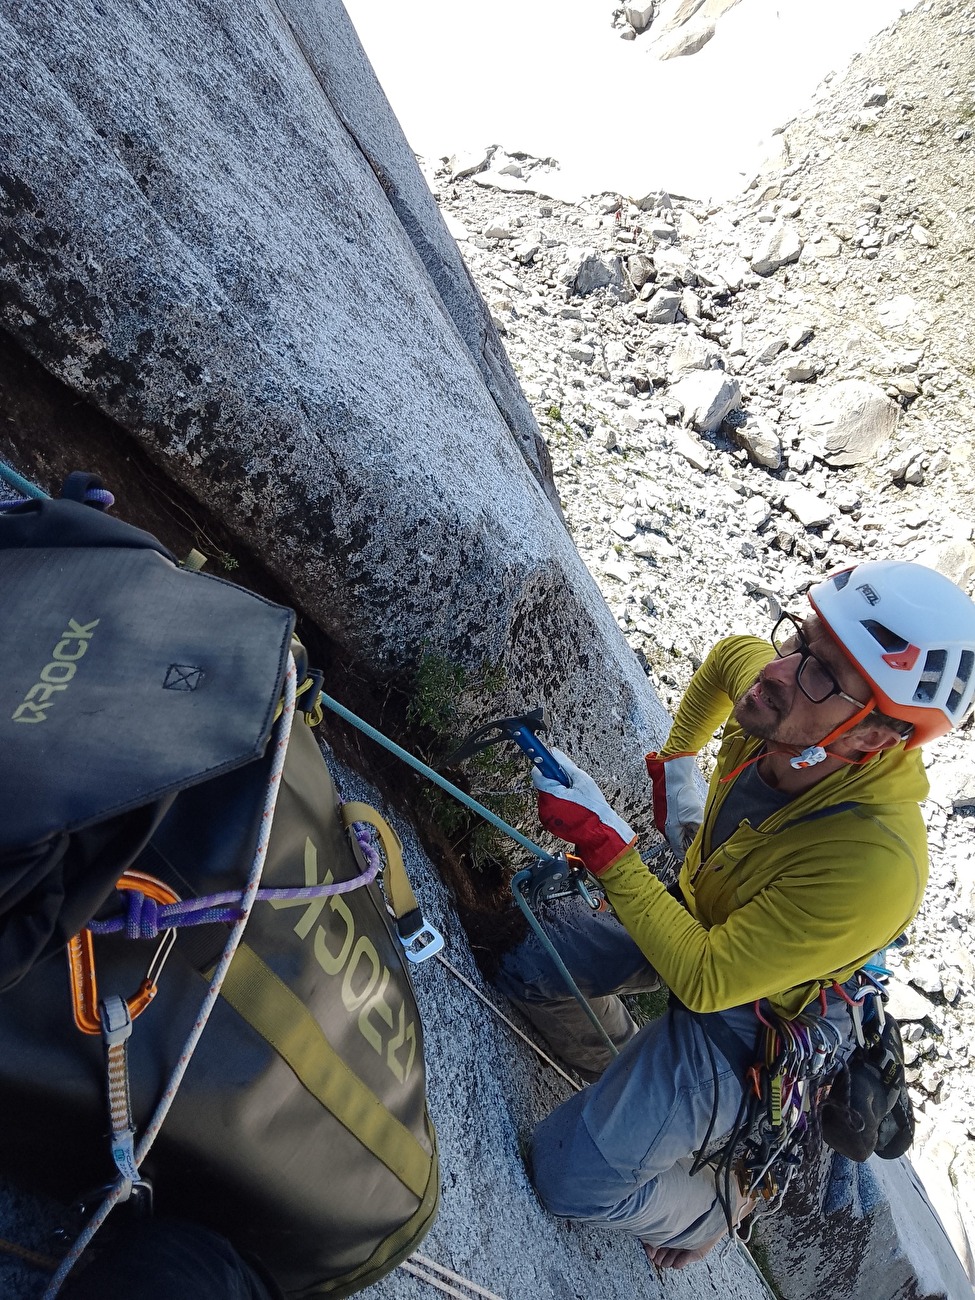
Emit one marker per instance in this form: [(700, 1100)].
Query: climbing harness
[(780, 1104), (787, 1093)]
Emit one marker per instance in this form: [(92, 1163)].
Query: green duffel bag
[(300, 1129)]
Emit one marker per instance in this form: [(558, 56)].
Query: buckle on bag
[(423, 943), (81, 960)]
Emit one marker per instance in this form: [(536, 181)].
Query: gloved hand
[(678, 808), (579, 814)]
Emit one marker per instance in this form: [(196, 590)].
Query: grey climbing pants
[(619, 1153), (604, 962)]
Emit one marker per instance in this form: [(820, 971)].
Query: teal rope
[(489, 816), (21, 484), (436, 778), (522, 878)]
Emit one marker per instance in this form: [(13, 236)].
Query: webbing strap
[(282, 1019), (395, 881), (116, 1023)]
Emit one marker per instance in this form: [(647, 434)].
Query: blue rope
[(21, 484), (436, 778)]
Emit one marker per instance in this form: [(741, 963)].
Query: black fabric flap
[(124, 678), (69, 524)]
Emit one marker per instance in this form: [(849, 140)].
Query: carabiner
[(81, 960)]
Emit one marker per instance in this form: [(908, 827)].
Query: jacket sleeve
[(812, 923), (728, 671)]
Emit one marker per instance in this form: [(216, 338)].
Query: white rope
[(577, 1087), (430, 1280), (454, 1277), (410, 1266), (747, 1254), (246, 904)]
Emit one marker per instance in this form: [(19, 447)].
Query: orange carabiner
[(81, 960)]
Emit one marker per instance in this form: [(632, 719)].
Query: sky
[(556, 80)]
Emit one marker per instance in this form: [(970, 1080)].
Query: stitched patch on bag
[(182, 677)]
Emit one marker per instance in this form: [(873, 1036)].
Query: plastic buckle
[(423, 943)]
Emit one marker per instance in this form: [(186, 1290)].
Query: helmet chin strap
[(814, 754)]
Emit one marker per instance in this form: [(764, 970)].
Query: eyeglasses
[(813, 677)]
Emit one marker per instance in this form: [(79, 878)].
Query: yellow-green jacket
[(811, 894)]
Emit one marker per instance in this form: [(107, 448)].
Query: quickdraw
[(780, 1106)]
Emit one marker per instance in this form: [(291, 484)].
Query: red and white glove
[(678, 808), (579, 814)]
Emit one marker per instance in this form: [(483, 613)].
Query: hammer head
[(491, 733)]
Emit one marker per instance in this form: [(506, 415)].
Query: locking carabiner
[(81, 960)]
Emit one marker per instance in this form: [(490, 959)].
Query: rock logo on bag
[(56, 675), (355, 957)]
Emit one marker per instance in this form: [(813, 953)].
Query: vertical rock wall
[(213, 230)]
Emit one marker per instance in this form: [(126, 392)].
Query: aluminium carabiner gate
[(81, 960)]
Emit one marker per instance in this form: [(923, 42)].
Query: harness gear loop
[(81, 960)]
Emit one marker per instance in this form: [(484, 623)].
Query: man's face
[(775, 709)]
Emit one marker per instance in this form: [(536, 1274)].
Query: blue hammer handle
[(527, 741)]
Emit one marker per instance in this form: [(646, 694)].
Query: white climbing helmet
[(910, 631)]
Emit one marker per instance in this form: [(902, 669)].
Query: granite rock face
[(871, 1245), (215, 232)]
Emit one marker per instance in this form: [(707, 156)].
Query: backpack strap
[(420, 939)]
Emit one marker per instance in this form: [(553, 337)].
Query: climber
[(806, 857)]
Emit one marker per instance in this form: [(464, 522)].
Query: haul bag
[(125, 679), (300, 1130)]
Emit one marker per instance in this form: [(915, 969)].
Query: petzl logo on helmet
[(869, 595), (56, 675)]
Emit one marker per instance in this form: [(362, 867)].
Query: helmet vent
[(890, 641), (841, 579), (934, 668), (966, 662)]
